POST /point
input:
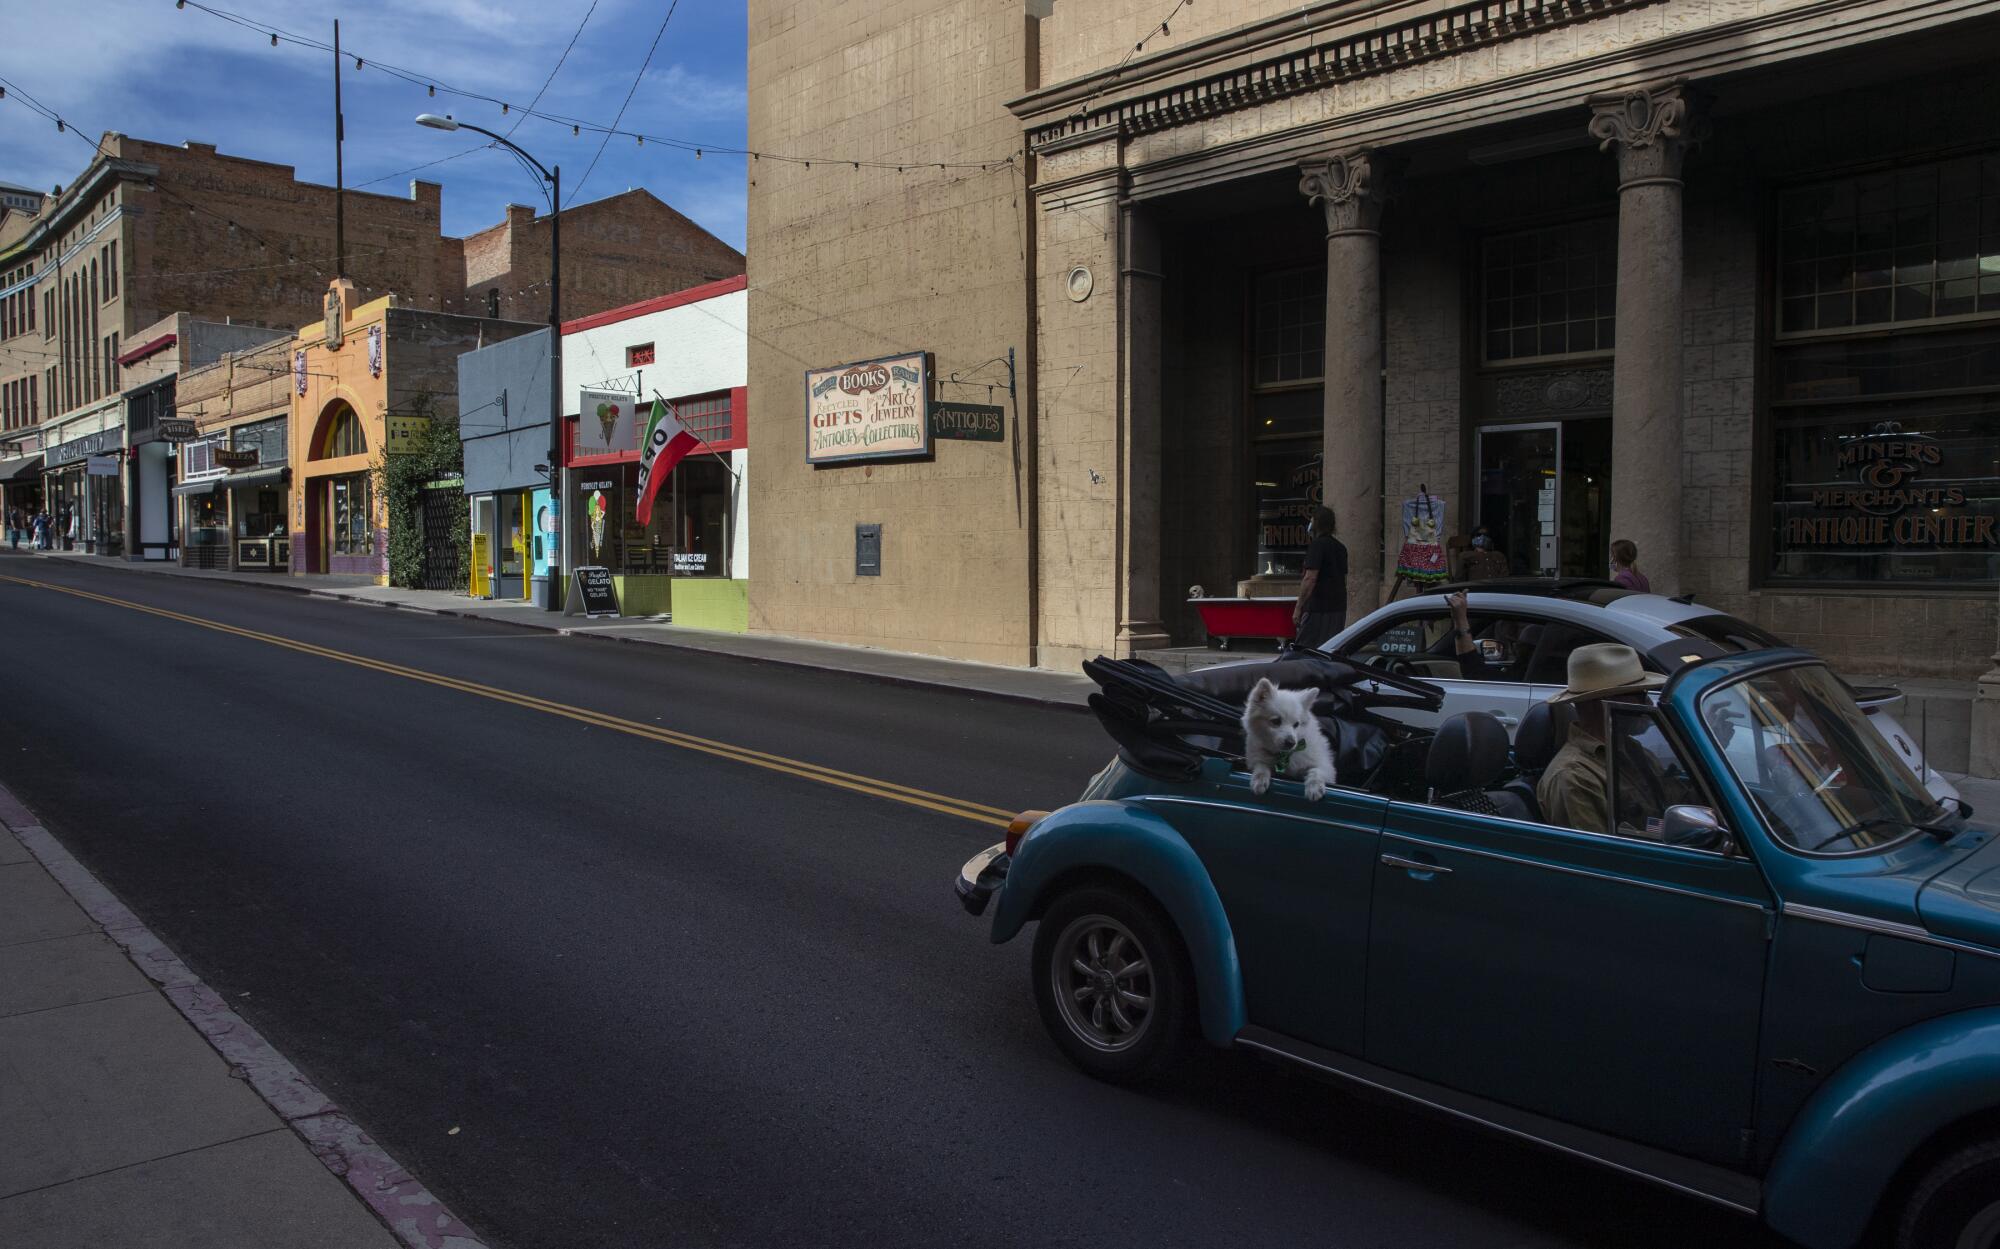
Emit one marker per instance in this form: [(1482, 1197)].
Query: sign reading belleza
[(870, 409)]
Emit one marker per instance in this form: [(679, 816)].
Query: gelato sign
[(869, 410), (608, 424)]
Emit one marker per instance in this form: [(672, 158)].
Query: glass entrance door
[(1544, 493)]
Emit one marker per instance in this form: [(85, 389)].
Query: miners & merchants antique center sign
[(871, 409), (1890, 493)]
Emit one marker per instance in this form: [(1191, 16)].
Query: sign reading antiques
[(235, 457), (595, 591), (175, 428), (970, 422), (1886, 497), (868, 410)]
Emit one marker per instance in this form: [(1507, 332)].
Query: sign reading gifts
[(868, 410)]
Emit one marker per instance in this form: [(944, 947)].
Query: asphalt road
[(670, 997)]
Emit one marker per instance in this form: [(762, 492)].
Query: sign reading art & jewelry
[(868, 410)]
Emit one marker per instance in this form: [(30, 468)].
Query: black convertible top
[(1165, 726)]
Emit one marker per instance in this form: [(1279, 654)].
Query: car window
[(1402, 639), (1423, 645), (1648, 774), (1551, 665)]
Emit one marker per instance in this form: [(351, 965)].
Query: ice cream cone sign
[(607, 419)]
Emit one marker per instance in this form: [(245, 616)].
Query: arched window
[(343, 436)]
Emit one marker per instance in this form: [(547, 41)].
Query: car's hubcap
[(1983, 1232), (1103, 983)]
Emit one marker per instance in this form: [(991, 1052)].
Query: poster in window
[(868, 410)]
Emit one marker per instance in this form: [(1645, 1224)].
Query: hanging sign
[(101, 466), (174, 428), (868, 410), (969, 422), (607, 424), (400, 433), (235, 457), (595, 591)]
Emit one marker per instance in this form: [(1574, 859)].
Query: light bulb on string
[(433, 91), (274, 39)]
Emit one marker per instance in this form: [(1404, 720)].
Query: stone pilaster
[(1139, 521), (1349, 187), (1647, 129)]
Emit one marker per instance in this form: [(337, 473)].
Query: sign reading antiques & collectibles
[(971, 422), (868, 410), (595, 592)]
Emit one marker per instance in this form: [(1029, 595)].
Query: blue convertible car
[(1771, 981)]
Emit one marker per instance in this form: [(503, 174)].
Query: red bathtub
[(1227, 618)]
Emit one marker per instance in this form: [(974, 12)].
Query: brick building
[(1677, 271), (152, 229)]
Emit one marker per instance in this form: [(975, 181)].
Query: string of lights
[(433, 85), (627, 103), (1163, 30)]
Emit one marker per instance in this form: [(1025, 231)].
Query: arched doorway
[(340, 512)]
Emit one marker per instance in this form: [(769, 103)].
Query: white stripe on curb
[(410, 1210)]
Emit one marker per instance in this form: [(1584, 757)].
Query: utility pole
[(339, 178)]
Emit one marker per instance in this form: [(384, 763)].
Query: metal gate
[(444, 509)]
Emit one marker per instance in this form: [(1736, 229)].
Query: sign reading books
[(595, 592), (868, 410), (970, 422)]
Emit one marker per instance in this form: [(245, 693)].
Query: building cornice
[(1309, 50), (74, 200)]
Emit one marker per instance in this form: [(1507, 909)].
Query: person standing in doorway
[(1624, 567), (1321, 610)]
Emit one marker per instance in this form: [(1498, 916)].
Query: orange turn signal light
[(1018, 827)]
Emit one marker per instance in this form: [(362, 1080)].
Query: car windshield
[(1824, 779), (1727, 632)]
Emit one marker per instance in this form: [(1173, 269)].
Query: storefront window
[(1550, 291), (686, 535), (343, 436), (352, 530), (260, 512), (1907, 245)]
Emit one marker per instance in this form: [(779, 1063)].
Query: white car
[(1525, 629)]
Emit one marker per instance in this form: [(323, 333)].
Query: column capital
[(1650, 127), (1350, 187)]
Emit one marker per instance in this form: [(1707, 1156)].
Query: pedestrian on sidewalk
[(41, 527), (1321, 610), (1624, 567), (14, 522)]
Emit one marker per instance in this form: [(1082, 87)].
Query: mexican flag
[(665, 441)]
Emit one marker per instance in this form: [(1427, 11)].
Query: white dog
[(1282, 737)]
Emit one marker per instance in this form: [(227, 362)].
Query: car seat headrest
[(1544, 729), (1469, 752)]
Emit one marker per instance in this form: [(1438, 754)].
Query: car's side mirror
[(1694, 828)]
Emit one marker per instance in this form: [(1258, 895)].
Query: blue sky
[(150, 70)]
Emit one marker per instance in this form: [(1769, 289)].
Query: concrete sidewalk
[(137, 1110), (1030, 685)]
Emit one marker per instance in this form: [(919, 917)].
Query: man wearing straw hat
[(1574, 791)]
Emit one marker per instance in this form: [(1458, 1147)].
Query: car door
[(1605, 980), (1419, 642), (1294, 878)]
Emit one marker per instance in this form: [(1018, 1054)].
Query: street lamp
[(554, 178)]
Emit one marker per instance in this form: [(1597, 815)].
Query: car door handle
[(1415, 865), (1504, 718)]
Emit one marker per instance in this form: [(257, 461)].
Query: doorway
[(1544, 493)]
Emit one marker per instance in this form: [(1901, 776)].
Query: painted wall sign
[(175, 428), (83, 448), (400, 433), (969, 422), (596, 591), (608, 424), (868, 410)]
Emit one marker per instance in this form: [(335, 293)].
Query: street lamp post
[(554, 178)]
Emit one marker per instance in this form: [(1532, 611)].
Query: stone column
[(1647, 129), (1349, 187), (1139, 396)]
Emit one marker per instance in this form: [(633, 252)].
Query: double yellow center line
[(908, 795)]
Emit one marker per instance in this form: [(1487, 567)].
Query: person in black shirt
[(1321, 610)]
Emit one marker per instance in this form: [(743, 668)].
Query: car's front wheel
[(1112, 983), (1957, 1204)]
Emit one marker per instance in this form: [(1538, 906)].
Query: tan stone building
[(1718, 276)]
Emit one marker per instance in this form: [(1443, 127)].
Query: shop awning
[(15, 470), (199, 487), (256, 477)]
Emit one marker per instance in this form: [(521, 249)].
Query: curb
[(336, 596), (411, 1212)]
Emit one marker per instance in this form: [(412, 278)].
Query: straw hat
[(1603, 669)]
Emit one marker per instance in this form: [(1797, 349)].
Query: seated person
[(1474, 666), (1574, 789)]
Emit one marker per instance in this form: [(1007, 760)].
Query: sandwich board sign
[(595, 593)]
